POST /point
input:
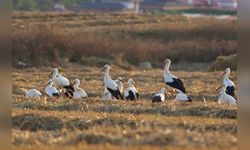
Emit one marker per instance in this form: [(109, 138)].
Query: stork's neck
[(55, 74), (131, 85), (162, 92), (166, 69), (26, 92), (49, 85), (76, 85), (106, 75), (226, 76)]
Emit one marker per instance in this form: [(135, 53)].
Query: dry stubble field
[(94, 124)]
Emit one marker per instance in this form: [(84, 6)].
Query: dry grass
[(55, 39), (223, 62), (95, 124)]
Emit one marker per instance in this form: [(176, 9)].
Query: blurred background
[(139, 6), (195, 34)]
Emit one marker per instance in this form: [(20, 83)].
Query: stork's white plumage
[(182, 97), (172, 80), (159, 97), (58, 79), (50, 90), (107, 95), (131, 92), (119, 83), (110, 84), (78, 92), (230, 89), (32, 93), (224, 97)]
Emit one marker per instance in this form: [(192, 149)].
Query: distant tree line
[(43, 4)]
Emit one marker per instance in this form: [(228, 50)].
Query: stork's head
[(76, 82), (167, 62), (131, 82), (53, 73), (226, 72), (106, 68), (24, 90), (49, 82), (120, 79), (163, 90)]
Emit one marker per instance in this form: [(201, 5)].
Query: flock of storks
[(113, 89)]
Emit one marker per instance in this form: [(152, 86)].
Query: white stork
[(131, 92), (61, 81), (182, 97), (32, 93), (160, 96), (110, 84), (50, 90), (172, 80), (78, 92), (224, 97), (230, 89)]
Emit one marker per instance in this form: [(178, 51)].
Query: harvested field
[(94, 124)]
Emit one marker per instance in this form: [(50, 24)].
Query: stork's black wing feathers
[(56, 94), (230, 90), (156, 99), (116, 93), (70, 87), (177, 84), (130, 96), (68, 93)]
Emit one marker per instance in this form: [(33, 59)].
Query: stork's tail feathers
[(70, 87), (120, 95)]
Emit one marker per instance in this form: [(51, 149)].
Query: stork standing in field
[(61, 81), (159, 97), (182, 97), (32, 93), (78, 92), (50, 90), (230, 89), (224, 97), (110, 84), (131, 92), (172, 80)]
